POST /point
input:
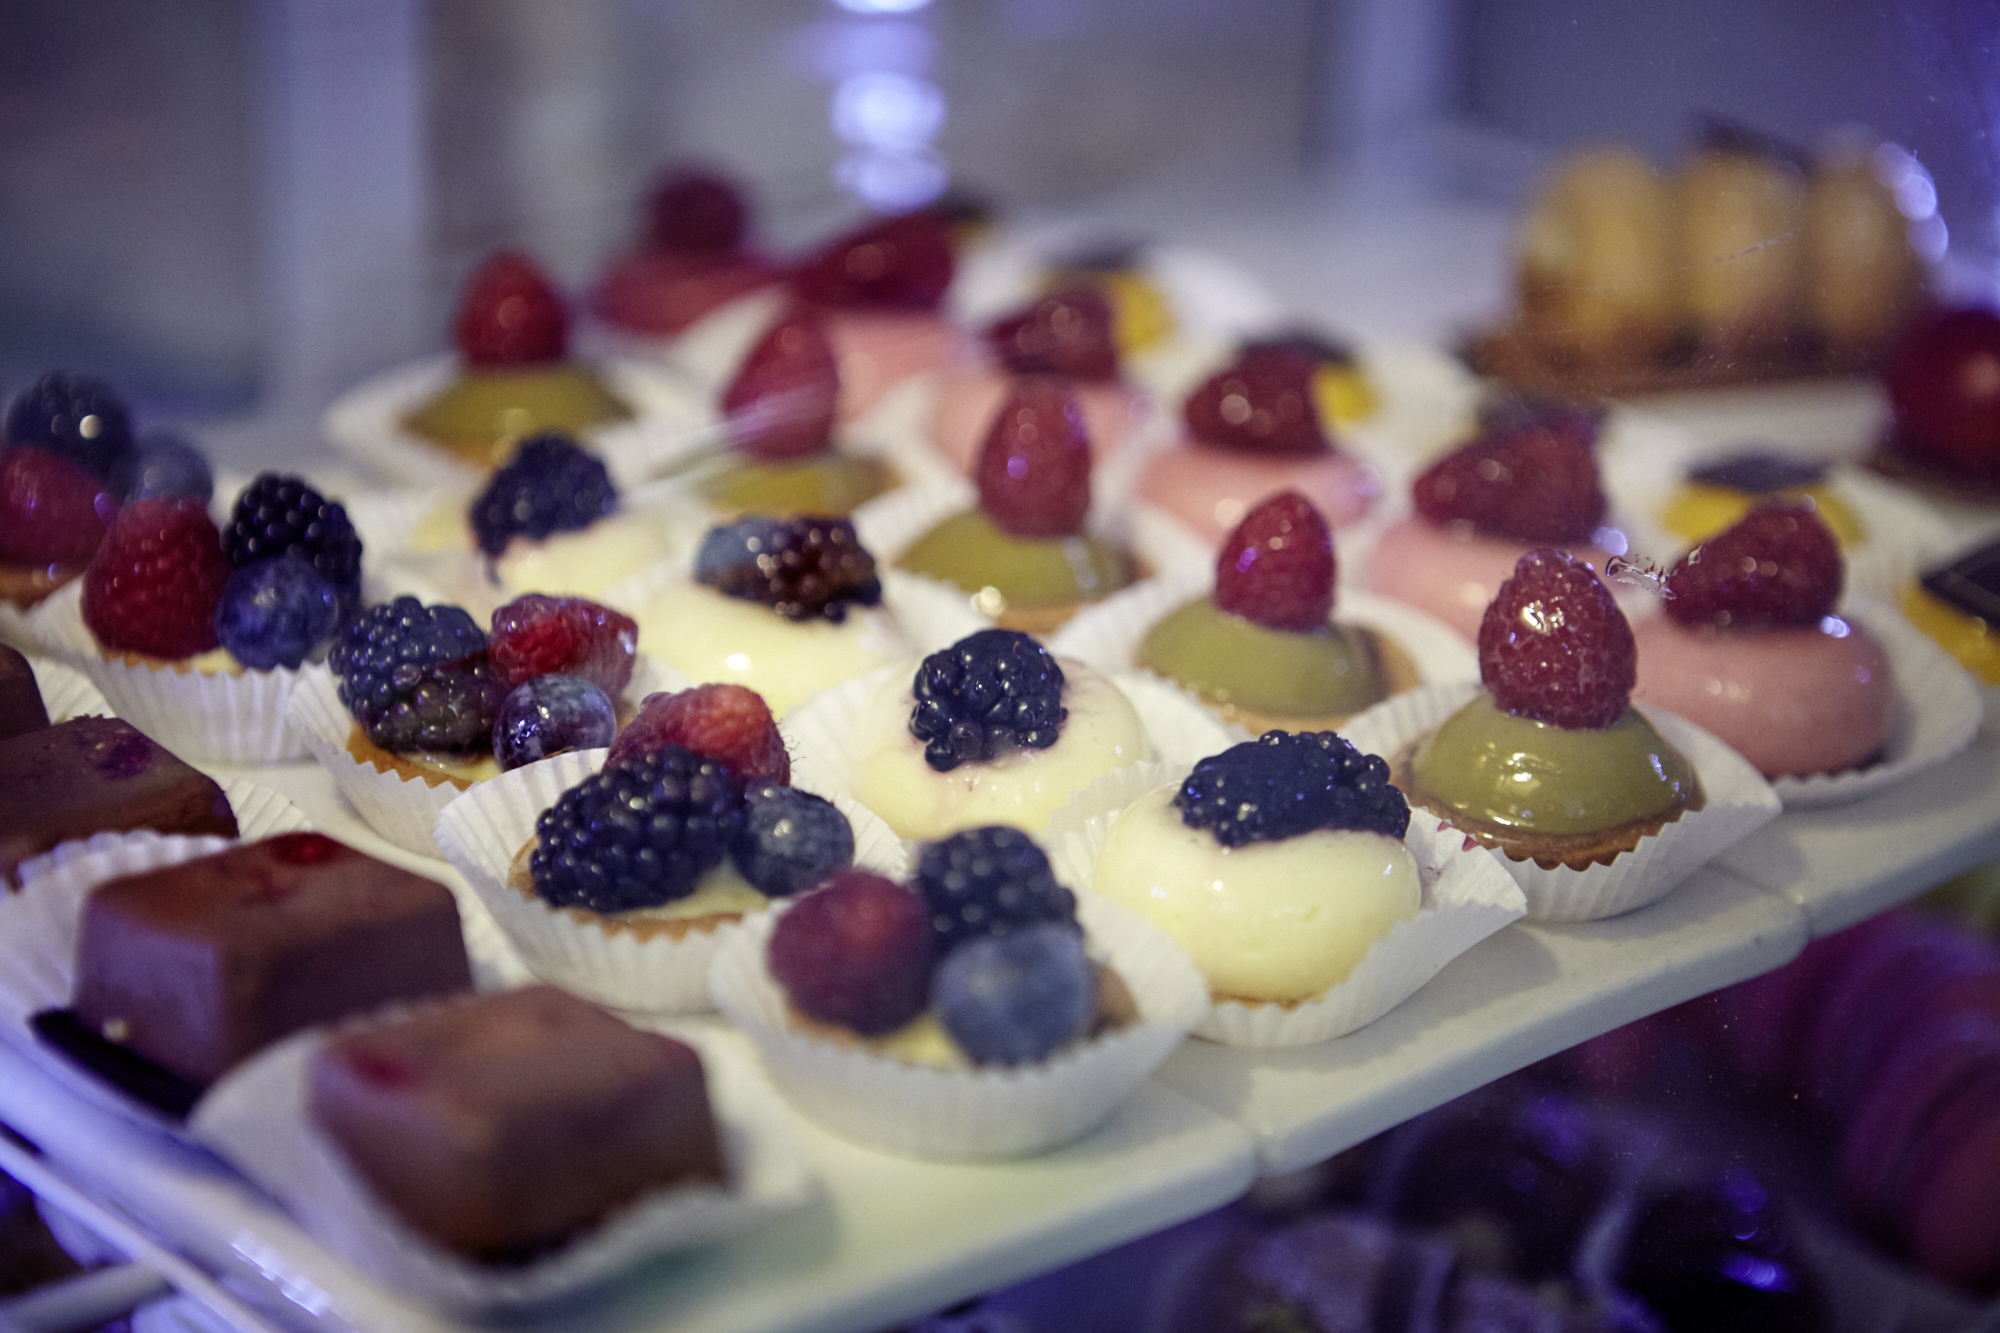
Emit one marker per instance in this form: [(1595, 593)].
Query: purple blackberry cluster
[(549, 485), (418, 678), (989, 693), (810, 567), (277, 515), (989, 881), (1287, 783), (638, 834), (75, 416)]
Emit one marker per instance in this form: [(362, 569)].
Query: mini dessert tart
[(1142, 314), (1519, 485), (1263, 650), (992, 730), (423, 692), (1255, 428), (53, 513), (1717, 494), (1025, 554), (1943, 381), (1277, 865), (691, 258), (1748, 647), (1550, 762), (1959, 606), (516, 379), (786, 607)]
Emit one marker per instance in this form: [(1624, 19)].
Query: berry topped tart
[(67, 438), (691, 257)]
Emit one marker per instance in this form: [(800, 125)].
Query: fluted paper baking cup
[(229, 717), (403, 810), (969, 1114), (258, 1120), (1466, 897), (66, 692), (1737, 802)]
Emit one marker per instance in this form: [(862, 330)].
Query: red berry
[(899, 263), (695, 212), (1554, 646), (781, 403), (540, 635), (1033, 472), (1277, 567), (1779, 566), (153, 585), (1065, 333), (1263, 403), (52, 512), (511, 315), (1943, 378), (730, 724), (856, 952), (1535, 484)]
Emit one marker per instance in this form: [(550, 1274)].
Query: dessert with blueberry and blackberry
[(1025, 553), (1276, 864), (691, 258), (992, 730), (66, 438)]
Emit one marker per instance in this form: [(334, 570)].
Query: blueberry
[(1011, 999), (275, 613), (549, 714), (163, 464), (791, 840)]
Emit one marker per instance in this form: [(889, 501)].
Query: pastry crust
[(636, 924), (27, 586), (402, 765)]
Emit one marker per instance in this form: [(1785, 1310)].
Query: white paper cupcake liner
[(481, 833), (1737, 802), (1466, 897), (17, 630), (979, 1114), (66, 692), (258, 1120), (225, 718)]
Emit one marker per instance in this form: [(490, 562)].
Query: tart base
[(641, 927)]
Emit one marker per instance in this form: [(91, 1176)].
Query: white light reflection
[(891, 113), (882, 6), (1610, 541), (893, 182), (1834, 627)]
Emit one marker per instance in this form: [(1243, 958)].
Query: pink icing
[(969, 398), (879, 349), (659, 295), (1452, 576), (1210, 489), (1791, 701)]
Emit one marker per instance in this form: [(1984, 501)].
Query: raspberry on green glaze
[(1554, 646)]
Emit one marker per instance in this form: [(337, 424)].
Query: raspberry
[(1554, 646), (791, 839), (695, 212), (275, 613), (81, 418), (1018, 998), (1536, 484), (1033, 471), (857, 952), (989, 881), (1284, 784), (1263, 403), (987, 694), (1065, 333), (781, 403), (154, 583), (418, 677), (897, 263), (549, 485), (551, 715), (52, 512), (1277, 567), (637, 834), (1780, 565), (277, 515), (727, 723), (540, 635), (511, 315), (802, 568)]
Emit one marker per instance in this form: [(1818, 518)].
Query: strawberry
[(1554, 646), (897, 263), (539, 635), (781, 403), (154, 583), (1262, 403), (1065, 333), (727, 723), (1277, 567), (52, 512), (695, 212), (1780, 565), (1537, 483), (1033, 472), (856, 952), (511, 315)]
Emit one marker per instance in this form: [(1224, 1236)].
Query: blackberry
[(791, 839), (81, 418), (1287, 783), (549, 485), (277, 515), (806, 567), (637, 834), (417, 677), (989, 881), (985, 695)]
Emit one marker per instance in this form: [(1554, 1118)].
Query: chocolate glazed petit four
[(21, 708)]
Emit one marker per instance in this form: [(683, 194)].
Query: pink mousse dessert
[(1067, 334), (1748, 647), (1254, 429), (1517, 486), (691, 258)]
